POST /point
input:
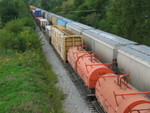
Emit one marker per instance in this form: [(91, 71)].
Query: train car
[(117, 96), (135, 59), (104, 44), (48, 16), (63, 21), (43, 13), (112, 91), (37, 19), (32, 8), (43, 22), (77, 28), (38, 13), (48, 32), (88, 67), (62, 40), (55, 19)]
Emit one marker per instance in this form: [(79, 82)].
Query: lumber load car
[(62, 40)]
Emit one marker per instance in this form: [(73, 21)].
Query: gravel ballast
[(74, 102)]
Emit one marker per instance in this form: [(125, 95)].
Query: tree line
[(127, 18), (17, 27)]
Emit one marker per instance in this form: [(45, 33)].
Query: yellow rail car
[(62, 40)]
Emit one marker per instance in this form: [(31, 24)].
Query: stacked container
[(63, 21), (38, 13), (43, 22)]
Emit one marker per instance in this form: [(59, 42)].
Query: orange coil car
[(117, 96), (86, 65)]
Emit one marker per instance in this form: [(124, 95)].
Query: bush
[(7, 39), (28, 22), (14, 26), (27, 39), (19, 35)]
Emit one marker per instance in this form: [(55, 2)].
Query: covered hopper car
[(135, 59)]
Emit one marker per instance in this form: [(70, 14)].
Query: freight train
[(106, 66)]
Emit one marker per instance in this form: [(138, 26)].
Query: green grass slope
[(28, 85)]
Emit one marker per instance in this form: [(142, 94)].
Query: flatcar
[(62, 40)]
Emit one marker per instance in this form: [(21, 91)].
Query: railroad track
[(80, 86), (89, 99)]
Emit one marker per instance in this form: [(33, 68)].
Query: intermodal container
[(63, 21), (38, 13), (43, 22)]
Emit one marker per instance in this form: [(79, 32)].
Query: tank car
[(117, 96), (86, 65)]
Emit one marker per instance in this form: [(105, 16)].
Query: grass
[(28, 84)]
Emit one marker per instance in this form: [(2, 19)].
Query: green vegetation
[(27, 80), (12, 9), (27, 84), (19, 35), (126, 18)]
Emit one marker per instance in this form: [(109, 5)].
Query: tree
[(129, 19), (46, 4), (8, 10)]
